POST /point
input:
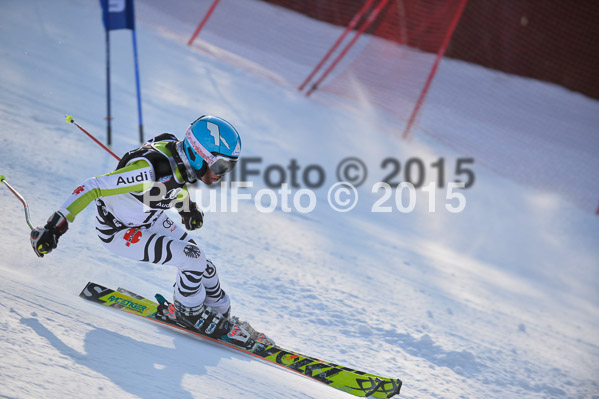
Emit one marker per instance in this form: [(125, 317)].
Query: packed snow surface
[(499, 300)]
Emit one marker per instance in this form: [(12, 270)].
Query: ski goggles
[(222, 164)]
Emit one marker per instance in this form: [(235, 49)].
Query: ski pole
[(70, 119), (20, 197)]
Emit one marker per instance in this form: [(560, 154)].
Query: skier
[(131, 222)]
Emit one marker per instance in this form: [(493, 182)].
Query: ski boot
[(199, 318), (203, 319)]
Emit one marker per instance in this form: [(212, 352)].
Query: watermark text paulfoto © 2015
[(293, 188), (353, 170)]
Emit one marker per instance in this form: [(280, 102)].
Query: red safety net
[(553, 40), (395, 66)]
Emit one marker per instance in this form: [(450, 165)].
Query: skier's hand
[(45, 239), (193, 218)]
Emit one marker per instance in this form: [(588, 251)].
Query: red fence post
[(431, 75), (371, 18), (204, 20), (352, 24)]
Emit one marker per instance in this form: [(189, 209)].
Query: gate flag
[(118, 14)]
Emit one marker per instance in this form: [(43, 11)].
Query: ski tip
[(2, 178), (70, 119)]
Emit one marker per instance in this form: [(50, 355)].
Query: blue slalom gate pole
[(141, 128), (108, 117)]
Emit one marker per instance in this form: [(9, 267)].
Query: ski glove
[(45, 239), (193, 218)]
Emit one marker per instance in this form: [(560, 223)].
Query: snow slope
[(499, 300)]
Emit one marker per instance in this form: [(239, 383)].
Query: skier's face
[(210, 177)]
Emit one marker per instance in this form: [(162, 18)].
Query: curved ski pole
[(20, 197)]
